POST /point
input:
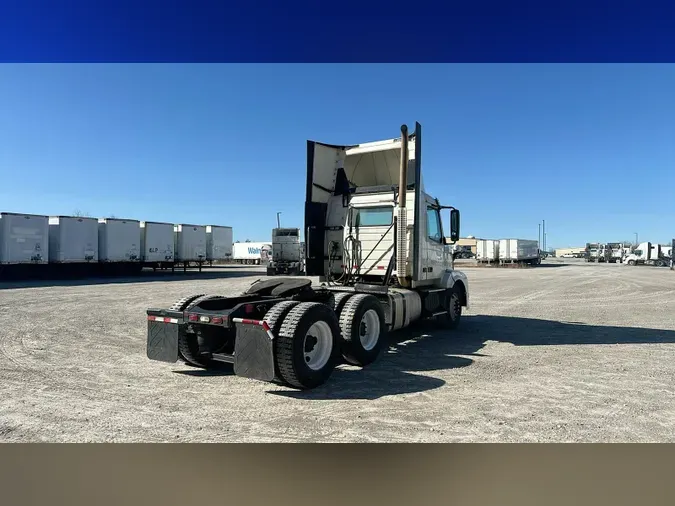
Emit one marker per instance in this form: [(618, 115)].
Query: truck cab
[(357, 215), (287, 253)]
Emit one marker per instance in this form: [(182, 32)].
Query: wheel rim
[(369, 329), (317, 345)]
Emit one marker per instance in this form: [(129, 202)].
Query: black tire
[(453, 305), (290, 355), (339, 301), (352, 327), (275, 316), (181, 304), (188, 344), (631, 262), (270, 272)]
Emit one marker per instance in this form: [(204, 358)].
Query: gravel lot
[(576, 352)]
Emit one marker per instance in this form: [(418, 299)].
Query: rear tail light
[(217, 319), (248, 308), (204, 319), (193, 317)]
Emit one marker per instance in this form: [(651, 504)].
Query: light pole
[(278, 220), (539, 237), (636, 239), (543, 230)]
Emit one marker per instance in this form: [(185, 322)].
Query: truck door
[(325, 178), (434, 241)]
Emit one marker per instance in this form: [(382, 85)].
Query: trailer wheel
[(307, 347), (453, 306), (363, 330)]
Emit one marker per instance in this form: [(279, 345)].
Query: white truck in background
[(287, 253), (648, 253)]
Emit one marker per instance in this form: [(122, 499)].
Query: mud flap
[(163, 341), (253, 353)]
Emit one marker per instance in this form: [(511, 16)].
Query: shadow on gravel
[(224, 370), (426, 348), (144, 277)]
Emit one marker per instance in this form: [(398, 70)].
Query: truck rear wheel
[(307, 347), (275, 316), (189, 348), (362, 326), (339, 301)]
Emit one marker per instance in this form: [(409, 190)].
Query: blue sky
[(588, 148)]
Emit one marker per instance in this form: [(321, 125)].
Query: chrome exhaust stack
[(402, 218)]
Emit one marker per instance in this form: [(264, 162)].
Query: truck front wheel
[(453, 306), (307, 347), (363, 330)]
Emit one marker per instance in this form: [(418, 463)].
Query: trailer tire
[(270, 271), (363, 329), (305, 360)]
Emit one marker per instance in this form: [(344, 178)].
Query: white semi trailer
[(252, 253), (375, 239)]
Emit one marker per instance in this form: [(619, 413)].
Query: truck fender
[(450, 277)]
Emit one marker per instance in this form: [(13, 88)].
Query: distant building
[(467, 242)]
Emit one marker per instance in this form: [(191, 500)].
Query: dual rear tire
[(312, 337)]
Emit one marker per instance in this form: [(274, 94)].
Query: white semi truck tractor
[(648, 253), (287, 253), (375, 240)]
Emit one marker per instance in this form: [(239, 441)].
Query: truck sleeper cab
[(374, 238)]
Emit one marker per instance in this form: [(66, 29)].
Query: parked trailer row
[(107, 245), (507, 251)]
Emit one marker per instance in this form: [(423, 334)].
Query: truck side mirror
[(454, 225)]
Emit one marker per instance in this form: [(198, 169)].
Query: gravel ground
[(576, 352)]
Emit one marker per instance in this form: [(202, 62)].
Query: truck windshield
[(373, 216), (286, 233)]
